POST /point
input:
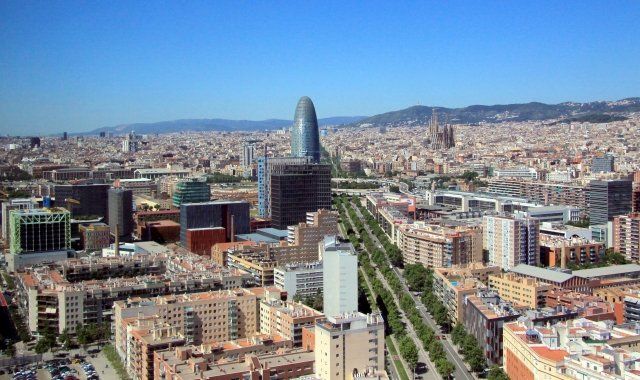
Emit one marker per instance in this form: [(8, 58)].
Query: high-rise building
[(511, 240), (609, 198), (38, 235), (626, 233), (120, 217), (248, 155), (340, 268), (347, 343), (83, 201), (266, 165), (602, 164), (64, 136), (192, 191), (130, 143), (231, 215), (305, 136), (298, 189)]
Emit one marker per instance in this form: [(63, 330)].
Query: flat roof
[(542, 273), (608, 271)]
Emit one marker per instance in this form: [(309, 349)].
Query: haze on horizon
[(75, 66)]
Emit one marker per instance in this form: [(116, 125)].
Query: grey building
[(298, 189), (83, 201), (609, 198), (215, 214), (121, 212), (305, 137), (602, 164)]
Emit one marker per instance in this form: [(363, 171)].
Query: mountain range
[(597, 112), (600, 111), (201, 125)]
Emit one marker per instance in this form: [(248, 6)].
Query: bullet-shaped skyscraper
[(305, 138)]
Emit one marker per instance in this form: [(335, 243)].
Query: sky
[(79, 65)]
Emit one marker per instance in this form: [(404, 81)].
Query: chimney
[(117, 242), (233, 229)]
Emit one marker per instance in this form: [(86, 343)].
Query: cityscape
[(468, 240)]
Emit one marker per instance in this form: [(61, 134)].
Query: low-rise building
[(561, 252), (521, 291)]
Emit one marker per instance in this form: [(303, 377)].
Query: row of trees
[(383, 298), (419, 278), (425, 334)]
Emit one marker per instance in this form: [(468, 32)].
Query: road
[(461, 371), (423, 357)]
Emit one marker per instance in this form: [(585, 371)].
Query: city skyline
[(76, 68)]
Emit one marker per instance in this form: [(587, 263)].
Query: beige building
[(520, 291), (436, 246), (286, 318), (189, 319), (451, 285), (347, 344)]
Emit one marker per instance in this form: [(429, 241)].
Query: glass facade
[(305, 138)]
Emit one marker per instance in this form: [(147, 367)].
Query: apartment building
[(626, 236), (214, 316), (190, 363), (525, 292), (349, 345), (546, 193), (511, 240), (452, 285), (435, 246), (302, 280), (83, 291), (484, 317), (556, 251), (577, 349), (286, 318)]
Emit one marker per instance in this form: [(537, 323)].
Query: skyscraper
[(83, 201), (608, 199), (121, 212), (247, 156), (267, 165), (298, 189), (305, 137)]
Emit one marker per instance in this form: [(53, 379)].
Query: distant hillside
[(601, 111), (199, 125)]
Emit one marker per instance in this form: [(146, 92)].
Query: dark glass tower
[(305, 138), (121, 212), (608, 199)]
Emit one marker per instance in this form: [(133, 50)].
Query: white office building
[(304, 279)]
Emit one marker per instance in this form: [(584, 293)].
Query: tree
[(409, 351), (64, 339), (497, 373), (444, 367), (46, 342)]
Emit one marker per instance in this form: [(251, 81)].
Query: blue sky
[(76, 66)]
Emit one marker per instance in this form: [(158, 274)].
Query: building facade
[(305, 135), (511, 241)]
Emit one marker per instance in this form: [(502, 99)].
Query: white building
[(304, 279), (516, 173), (511, 240), (340, 277)]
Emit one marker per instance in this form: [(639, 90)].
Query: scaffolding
[(39, 230)]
